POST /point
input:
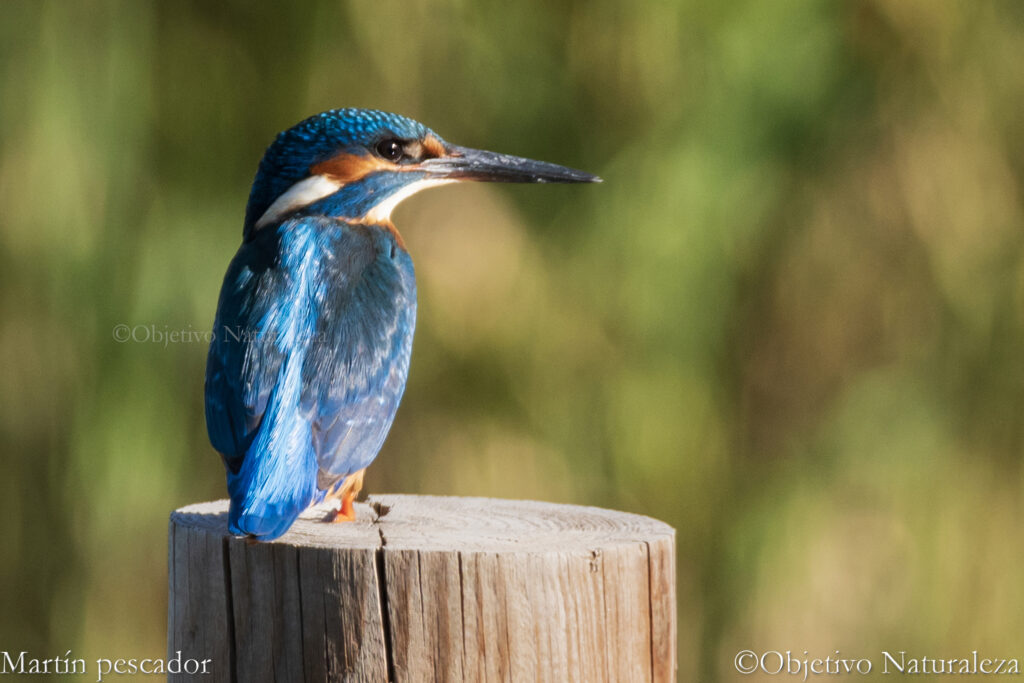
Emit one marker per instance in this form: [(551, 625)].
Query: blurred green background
[(790, 322)]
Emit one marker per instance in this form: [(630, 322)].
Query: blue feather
[(308, 364)]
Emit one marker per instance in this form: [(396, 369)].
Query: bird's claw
[(347, 512)]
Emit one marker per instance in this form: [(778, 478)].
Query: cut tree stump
[(424, 588)]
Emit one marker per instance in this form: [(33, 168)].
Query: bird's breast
[(357, 286)]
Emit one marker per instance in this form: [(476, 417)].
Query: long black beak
[(463, 163)]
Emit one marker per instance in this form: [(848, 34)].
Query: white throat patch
[(381, 213)]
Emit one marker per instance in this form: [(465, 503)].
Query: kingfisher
[(314, 327)]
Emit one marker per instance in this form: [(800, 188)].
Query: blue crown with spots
[(294, 151)]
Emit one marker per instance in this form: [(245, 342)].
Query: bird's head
[(358, 164)]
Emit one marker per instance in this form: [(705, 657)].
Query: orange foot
[(347, 492), (347, 513)]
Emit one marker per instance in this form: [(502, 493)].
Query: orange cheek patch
[(348, 168), (433, 146)]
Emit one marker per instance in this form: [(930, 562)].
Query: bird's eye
[(390, 149)]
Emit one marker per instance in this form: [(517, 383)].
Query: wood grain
[(424, 588)]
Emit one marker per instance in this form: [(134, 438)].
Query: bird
[(313, 333)]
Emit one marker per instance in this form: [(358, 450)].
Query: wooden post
[(424, 588)]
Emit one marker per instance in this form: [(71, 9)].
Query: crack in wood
[(229, 598), (650, 604), (302, 621), (462, 614), (382, 595), (380, 509)]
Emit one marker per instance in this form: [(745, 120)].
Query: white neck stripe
[(302, 193), (315, 188)]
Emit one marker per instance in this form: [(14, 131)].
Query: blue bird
[(314, 326)]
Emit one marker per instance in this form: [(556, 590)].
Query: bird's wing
[(243, 363), (353, 366), (355, 371)]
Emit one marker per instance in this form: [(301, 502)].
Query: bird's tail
[(276, 482)]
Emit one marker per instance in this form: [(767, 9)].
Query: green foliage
[(790, 322)]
